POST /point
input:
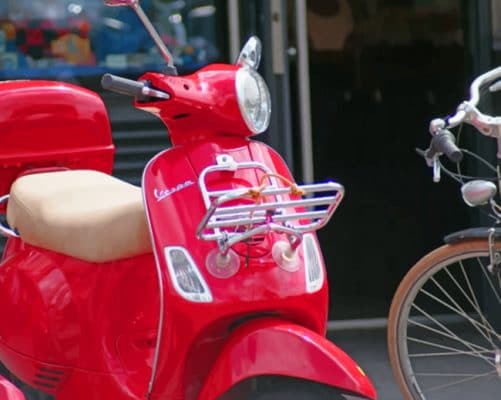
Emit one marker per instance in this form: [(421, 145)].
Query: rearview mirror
[(250, 54)]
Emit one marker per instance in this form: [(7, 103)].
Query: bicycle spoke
[(470, 288), (476, 350), (458, 311), (448, 333), (459, 382), (486, 274), (458, 351), (464, 313), (445, 354), (441, 374)]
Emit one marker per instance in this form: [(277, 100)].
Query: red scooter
[(207, 283)]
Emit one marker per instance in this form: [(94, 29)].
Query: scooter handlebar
[(120, 85), (140, 90)]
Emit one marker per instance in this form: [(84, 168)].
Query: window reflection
[(64, 38)]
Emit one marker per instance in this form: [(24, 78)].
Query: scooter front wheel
[(297, 391)]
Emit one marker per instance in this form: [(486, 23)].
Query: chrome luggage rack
[(230, 224)]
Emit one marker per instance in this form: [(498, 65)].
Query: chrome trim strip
[(160, 283)]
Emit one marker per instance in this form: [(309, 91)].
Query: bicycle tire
[(467, 261)]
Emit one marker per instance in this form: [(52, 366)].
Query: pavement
[(368, 348)]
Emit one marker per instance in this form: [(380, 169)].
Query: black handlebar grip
[(445, 142), (122, 85)]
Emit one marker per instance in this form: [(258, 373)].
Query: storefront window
[(64, 39)]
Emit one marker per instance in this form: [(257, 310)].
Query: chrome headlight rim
[(262, 121)]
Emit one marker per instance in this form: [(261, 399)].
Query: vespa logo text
[(163, 194)]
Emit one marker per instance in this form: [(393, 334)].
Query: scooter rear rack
[(229, 224)]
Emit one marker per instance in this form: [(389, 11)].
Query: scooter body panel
[(202, 104), (193, 333), (276, 347), (47, 124), (61, 315)]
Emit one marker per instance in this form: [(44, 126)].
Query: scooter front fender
[(8, 391), (276, 347)]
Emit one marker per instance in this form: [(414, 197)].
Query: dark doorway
[(380, 71)]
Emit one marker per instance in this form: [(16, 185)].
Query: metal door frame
[(268, 19)]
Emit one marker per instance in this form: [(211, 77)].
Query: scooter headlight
[(253, 99), (185, 275)]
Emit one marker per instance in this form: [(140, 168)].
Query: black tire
[(297, 391), (444, 330)]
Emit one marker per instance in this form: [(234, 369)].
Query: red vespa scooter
[(206, 284)]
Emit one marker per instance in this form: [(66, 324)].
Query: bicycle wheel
[(444, 326)]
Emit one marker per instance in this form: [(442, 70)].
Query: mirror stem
[(156, 38)]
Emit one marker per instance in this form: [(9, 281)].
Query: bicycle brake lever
[(426, 155), (436, 169), (420, 152), (431, 162)]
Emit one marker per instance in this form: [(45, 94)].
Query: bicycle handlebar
[(444, 142), (479, 81), (468, 111)]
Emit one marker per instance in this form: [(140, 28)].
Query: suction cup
[(283, 255), (222, 266)]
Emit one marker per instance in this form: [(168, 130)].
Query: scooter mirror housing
[(250, 55)]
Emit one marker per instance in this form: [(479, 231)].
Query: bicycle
[(444, 326)]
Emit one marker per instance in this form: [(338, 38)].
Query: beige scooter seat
[(83, 214)]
